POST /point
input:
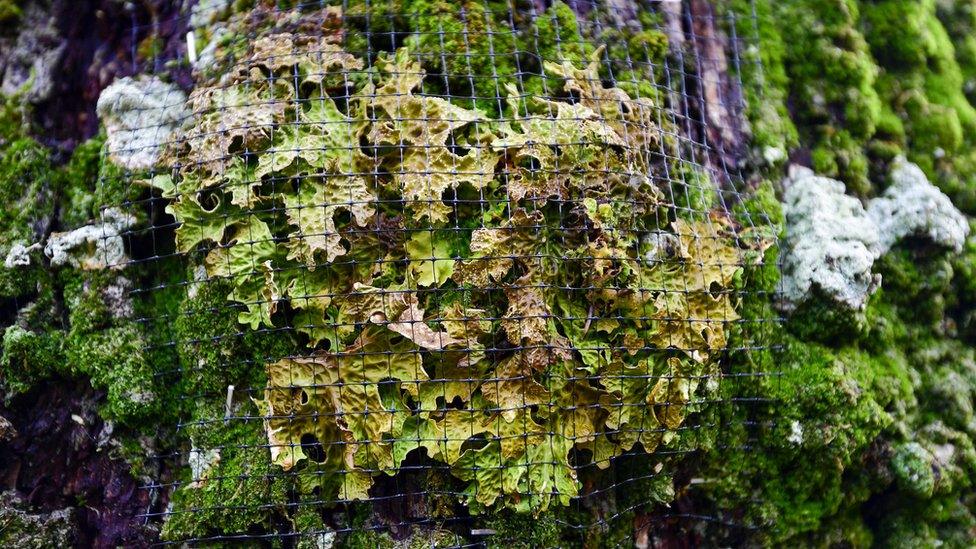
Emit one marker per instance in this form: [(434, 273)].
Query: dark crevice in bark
[(720, 91), (62, 457)]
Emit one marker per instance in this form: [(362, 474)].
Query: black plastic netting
[(414, 271)]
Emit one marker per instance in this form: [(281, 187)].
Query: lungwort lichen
[(500, 293)]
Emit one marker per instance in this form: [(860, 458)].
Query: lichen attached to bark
[(566, 228)]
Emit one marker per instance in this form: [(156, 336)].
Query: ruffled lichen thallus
[(499, 293)]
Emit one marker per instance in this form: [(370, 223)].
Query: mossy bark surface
[(860, 425)]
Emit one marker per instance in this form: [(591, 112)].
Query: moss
[(691, 191), (312, 533), (832, 77), (523, 531), (104, 344), (242, 492), (360, 534), (25, 169), (915, 277), (963, 297), (23, 528), (898, 32), (870, 80), (214, 350), (765, 79), (831, 407), (632, 52), (934, 129), (761, 208), (140, 453), (840, 155), (820, 319), (912, 465), (426, 538), (845, 453), (30, 187), (908, 38), (489, 50), (368, 539), (959, 20), (556, 36), (483, 49), (28, 190), (80, 325), (856, 426), (21, 282), (925, 85), (890, 128), (84, 193), (29, 357), (844, 530), (939, 523), (88, 310), (246, 492), (761, 216), (112, 359)]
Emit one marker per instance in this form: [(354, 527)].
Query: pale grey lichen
[(322, 540), (199, 278), (796, 433), (773, 155), (95, 246), (201, 461), (29, 62), (830, 242), (139, 115), (912, 206), (19, 255), (117, 297)]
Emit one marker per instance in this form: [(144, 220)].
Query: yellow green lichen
[(311, 240)]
